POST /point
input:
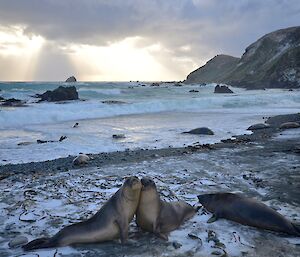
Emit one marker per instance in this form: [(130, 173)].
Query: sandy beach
[(40, 198)]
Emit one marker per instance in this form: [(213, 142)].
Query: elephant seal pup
[(157, 216), (246, 211), (81, 159), (110, 222)]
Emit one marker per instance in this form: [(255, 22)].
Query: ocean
[(148, 116)]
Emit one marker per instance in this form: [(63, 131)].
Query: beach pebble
[(19, 240), (81, 159), (258, 126), (216, 253), (118, 136), (289, 125), (176, 245)]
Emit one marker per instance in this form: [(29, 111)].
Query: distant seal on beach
[(246, 211), (81, 159), (157, 216), (109, 223), (289, 125)]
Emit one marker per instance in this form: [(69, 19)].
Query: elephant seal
[(157, 216), (246, 211), (110, 222), (81, 159)]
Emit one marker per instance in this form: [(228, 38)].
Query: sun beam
[(20, 49), (118, 61)]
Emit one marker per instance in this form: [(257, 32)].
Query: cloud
[(207, 27)]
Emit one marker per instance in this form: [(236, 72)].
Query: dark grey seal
[(246, 211)]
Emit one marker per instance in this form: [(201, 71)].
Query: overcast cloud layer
[(190, 32)]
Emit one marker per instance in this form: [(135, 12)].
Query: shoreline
[(39, 199), (64, 164)]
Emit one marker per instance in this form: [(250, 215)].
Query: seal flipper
[(163, 236), (213, 218), (123, 227), (39, 243)]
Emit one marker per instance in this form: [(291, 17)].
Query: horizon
[(122, 41)]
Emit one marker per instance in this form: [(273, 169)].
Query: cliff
[(273, 61)]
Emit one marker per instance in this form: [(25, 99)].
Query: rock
[(76, 125), (289, 125), (12, 102), (17, 241), (113, 102), (25, 143), (81, 159), (59, 94), (71, 79), (258, 126), (194, 91), (222, 90), (118, 136), (1, 98), (200, 131), (216, 253), (177, 85), (176, 245), (155, 84)]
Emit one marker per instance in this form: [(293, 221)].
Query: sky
[(122, 40)]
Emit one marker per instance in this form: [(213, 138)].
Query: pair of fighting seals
[(111, 222)]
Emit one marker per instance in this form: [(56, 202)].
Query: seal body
[(81, 159), (247, 211), (157, 216), (109, 223)]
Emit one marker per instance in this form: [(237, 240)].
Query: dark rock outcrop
[(222, 90), (215, 70), (1, 98), (273, 61), (155, 84), (12, 102), (59, 94), (71, 79), (200, 131)]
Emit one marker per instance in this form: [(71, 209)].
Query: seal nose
[(145, 181), (133, 180)]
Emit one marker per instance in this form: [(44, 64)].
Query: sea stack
[(71, 79)]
